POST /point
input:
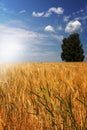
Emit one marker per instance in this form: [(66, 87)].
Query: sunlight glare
[(9, 51)]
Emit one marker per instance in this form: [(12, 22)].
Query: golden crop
[(43, 96)]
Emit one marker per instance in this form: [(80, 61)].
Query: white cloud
[(58, 10), (49, 28), (22, 11), (66, 18), (73, 26), (49, 12), (38, 14), (52, 10)]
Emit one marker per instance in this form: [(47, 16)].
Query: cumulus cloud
[(49, 12), (73, 26), (38, 14), (54, 10), (58, 10), (49, 28)]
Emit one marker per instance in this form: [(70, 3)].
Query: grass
[(43, 96)]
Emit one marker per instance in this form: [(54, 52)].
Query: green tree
[(72, 49)]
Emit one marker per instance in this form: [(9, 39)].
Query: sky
[(33, 30)]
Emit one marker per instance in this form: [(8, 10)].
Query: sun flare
[(9, 51)]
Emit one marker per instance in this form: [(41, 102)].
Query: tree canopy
[(72, 49)]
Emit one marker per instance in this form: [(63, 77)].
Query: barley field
[(43, 96)]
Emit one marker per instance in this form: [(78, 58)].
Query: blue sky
[(32, 30)]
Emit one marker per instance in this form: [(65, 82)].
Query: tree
[(72, 49)]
